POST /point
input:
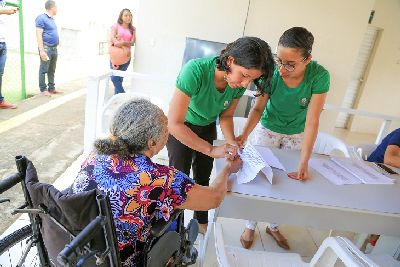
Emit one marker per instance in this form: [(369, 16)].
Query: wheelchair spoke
[(19, 249)]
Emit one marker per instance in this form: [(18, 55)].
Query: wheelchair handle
[(68, 254), (10, 182)]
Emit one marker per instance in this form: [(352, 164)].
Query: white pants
[(265, 137)]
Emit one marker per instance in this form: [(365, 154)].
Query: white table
[(314, 203)]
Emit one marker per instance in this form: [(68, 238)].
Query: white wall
[(91, 19), (163, 26), (337, 25), (381, 91)]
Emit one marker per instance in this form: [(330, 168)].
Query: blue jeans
[(117, 80), (48, 67), (3, 57)]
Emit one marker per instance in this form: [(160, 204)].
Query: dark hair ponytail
[(298, 37)]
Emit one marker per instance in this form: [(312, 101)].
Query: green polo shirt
[(286, 109), (196, 80)]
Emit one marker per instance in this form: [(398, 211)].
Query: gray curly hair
[(133, 125)]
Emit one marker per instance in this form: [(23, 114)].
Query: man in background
[(47, 40), (3, 50)]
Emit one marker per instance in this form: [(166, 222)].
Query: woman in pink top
[(122, 37)]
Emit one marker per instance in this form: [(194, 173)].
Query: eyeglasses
[(288, 67)]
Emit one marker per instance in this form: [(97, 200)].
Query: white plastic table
[(314, 203)]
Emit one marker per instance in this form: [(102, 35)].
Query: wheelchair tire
[(14, 249), (14, 238)]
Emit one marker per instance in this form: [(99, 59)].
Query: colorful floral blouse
[(140, 192)]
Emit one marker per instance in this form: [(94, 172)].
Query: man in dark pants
[(3, 52), (48, 40)]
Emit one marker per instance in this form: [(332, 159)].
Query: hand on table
[(301, 174)]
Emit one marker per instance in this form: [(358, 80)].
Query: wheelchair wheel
[(13, 246)]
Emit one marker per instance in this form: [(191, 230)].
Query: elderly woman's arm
[(209, 197)]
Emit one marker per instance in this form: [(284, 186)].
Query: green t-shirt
[(286, 109), (196, 80)]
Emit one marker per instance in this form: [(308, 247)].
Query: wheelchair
[(78, 229)]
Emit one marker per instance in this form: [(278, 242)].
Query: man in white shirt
[(3, 51)]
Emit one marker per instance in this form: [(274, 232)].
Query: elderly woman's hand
[(234, 165), (224, 151)]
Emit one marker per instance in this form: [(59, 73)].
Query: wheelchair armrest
[(159, 228), (68, 254)]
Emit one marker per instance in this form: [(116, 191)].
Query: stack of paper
[(254, 162), (342, 171)]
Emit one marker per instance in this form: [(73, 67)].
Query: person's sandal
[(246, 243), (282, 243)]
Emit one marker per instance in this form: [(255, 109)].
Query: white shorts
[(265, 137)]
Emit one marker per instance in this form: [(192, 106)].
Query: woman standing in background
[(122, 38)]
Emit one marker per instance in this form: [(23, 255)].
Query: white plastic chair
[(362, 151), (326, 144), (112, 105), (327, 254)]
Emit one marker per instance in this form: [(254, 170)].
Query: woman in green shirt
[(207, 89), (289, 110)]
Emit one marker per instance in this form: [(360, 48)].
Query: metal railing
[(98, 94), (386, 119)]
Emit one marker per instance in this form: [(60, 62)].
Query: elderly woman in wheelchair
[(142, 192)]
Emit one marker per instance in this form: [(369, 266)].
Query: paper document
[(341, 171), (253, 163), (270, 158), (363, 171), (331, 171)]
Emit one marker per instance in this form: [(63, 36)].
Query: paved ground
[(52, 139)]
